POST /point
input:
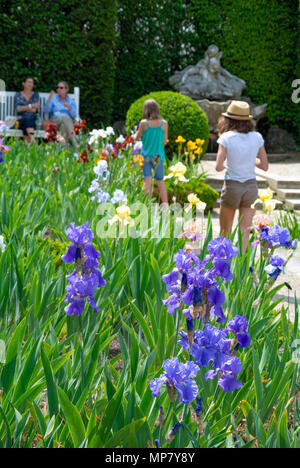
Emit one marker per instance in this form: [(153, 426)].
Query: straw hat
[(238, 110)]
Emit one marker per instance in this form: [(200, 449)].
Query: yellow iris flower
[(122, 216), (180, 140), (191, 145), (200, 142), (177, 171), (194, 200), (265, 194)]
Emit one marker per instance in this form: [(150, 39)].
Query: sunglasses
[(60, 87)]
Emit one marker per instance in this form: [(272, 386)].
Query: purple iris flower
[(185, 261), (89, 252), (275, 267), (86, 278), (228, 374), (280, 237), (215, 299), (222, 248), (210, 345), (79, 235), (178, 376), (3, 149), (84, 286), (264, 235), (199, 408), (172, 434), (277, 261), (222, 269), (173, 301), (273, 272), (184, 340), (171, 280), (138, 146), (76, 306), (192, 296), (239, 325), (204, 279), (188, 313)]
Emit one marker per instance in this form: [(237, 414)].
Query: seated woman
[(63, 111), (27, 106)]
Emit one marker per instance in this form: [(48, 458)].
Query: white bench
[(7, 110)]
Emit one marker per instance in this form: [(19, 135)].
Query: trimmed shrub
[(184, 117), (204, 192)]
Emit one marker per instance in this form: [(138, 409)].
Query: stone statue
[(208, 79), (213, 87)]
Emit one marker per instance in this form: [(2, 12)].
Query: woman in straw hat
[(241, 150)]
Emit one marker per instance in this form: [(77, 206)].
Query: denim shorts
[(236, 194), (149, 167)]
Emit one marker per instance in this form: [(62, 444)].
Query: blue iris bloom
[(180, 377)]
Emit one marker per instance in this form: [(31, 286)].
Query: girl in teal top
[(153, 131)]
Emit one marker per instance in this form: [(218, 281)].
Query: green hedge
[(62, 40), (184, 117), (153, 40), (259, 43), (258, 39), (118, 50)]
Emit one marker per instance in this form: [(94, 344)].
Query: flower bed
[(205, 359)]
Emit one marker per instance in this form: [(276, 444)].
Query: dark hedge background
[(61, 40), (118, 50)]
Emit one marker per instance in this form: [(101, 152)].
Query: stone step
[(276, 181), (288, 184), (292, 203), (272, 158), (217, 182), (279, 204), (287, 193)]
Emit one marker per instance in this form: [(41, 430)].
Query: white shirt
[(242, 150)]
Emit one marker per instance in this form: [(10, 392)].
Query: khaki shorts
[(236, 194)]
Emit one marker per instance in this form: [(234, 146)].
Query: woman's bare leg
[(148, 186), (29, 137), (226, 220), (246, 216), (162, 191)]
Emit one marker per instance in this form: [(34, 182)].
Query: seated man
[(63, 111)]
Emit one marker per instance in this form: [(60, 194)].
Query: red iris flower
[(83, 157), (81, 125)]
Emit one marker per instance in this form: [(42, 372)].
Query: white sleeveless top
[(242, 150)]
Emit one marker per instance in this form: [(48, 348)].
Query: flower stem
[(80, 336)]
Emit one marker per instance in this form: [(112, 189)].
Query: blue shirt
[(56, 107)]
